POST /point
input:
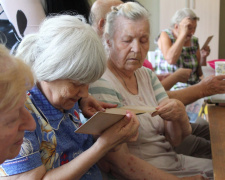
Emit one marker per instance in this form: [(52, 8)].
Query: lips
[(133, 59)]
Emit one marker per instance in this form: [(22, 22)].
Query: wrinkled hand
[(123, 131), (170, 110), (184, 27), (183, 74), (205, 52), (212, 85), (90, 106), (197, 177)]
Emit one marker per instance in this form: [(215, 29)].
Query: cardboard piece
[(207, 42), (103, 120)]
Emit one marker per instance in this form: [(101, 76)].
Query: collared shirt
[(54, 141)]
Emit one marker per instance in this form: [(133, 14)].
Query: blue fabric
[(54, 141)]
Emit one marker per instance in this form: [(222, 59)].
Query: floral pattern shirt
[(54, 141)]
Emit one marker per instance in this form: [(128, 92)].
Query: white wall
[(153, 8)]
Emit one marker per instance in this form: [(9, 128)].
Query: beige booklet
[(103, 120), (207, 42)]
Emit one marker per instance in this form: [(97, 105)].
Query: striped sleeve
[(159, 90), (103, 91)]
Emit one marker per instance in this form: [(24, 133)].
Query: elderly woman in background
[(65, 55), (126, 82), (15, 78), (178, 48)]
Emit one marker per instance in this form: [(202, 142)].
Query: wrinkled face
[(63, 94), (13, 123), (130, 43)]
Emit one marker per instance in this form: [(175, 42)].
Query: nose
[(83, 92), (27, 121), (135, 46)]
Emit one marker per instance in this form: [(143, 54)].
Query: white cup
[(219, 68)]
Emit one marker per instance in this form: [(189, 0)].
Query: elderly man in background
[(97, 16)]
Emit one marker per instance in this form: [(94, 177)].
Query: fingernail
[(128, 115)]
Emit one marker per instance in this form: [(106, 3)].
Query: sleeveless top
[(187, 59)]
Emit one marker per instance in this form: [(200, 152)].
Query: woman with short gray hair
[(179, 48), (53, 56), (65, 56), (138, 12), (181, 14), (127, 82)]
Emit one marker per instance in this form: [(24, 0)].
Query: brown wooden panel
[(216, 116)]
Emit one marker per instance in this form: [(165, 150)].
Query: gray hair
[(65, 47), (130, 10), (181, 14)]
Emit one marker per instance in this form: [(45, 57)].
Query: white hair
[(65, 47), (130, 10), (181, 14)]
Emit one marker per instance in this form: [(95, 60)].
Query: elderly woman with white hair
[(126, 82), (65, 55), (178, 48), (15, 79)]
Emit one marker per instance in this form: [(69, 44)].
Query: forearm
[(199, 71), (175, 50), (203, 61), (76, 168), (187, 95), (169, 81), (176, 131), (124, 165)]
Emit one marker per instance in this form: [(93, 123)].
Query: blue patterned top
[(54, 141), (187, 59)]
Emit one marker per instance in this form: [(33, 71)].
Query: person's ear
[(108, 41), (176, 26), (101, 24)]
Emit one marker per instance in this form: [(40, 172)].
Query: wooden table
[(216, 117)]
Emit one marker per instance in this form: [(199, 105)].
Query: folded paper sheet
[(103, 120)]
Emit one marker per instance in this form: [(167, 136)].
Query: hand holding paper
[(207, 42), (103, 120)]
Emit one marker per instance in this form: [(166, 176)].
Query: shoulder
[(100, 85), (146, 72), (163, 34), (167, 32), (166, 36), (104, 91)]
